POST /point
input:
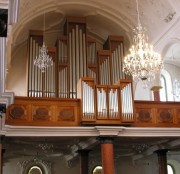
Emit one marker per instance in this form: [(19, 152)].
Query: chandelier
[(142, 63), (43, 61)]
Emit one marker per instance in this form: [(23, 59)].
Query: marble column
[(162, 160), (84, 160), (107, 155)]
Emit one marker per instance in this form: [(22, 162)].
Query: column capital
[(106, 140), (2, 139), (156, 88), (83, 152), (161, 152)]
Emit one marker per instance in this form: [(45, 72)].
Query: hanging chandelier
[(43, 61), (142, 63)]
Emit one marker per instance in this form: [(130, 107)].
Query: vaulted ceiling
[(104, 17)]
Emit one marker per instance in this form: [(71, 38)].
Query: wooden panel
[(159, 114), (31, 111), (44, 112)]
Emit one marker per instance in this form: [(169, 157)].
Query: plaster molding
[(4, 4), (5, 97), (116, 131), (168, 34)]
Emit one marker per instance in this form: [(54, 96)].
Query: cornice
[(93, 131)]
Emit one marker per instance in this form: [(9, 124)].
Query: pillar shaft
[(84, 160), (0, 157), (107, 155), (156, 92), (162, 160)]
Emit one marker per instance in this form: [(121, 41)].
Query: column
[(156, 92), (107, 155), (162, 160), (84, 160), (1, 154)]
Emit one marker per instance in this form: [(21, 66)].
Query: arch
[(97, 170), (175, 165), (35, 164), (166, 85), (170, 169), (169, 43), (104, 10), (35, 169)]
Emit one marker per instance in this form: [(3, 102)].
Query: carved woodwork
[(69, 112), (44, 112)]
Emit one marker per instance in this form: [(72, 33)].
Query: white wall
[(16, 78)]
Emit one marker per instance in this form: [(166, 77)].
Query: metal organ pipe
[(113, 103), (33, 67), (116, 60), (122, 55), (81, 52), (73, 62), (77, 53), (127, 103), (78, 64), (101, 103), (30, 68), (88, 101)]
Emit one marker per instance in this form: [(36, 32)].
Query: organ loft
[(79, 72)]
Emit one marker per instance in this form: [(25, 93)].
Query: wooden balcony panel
[(30, 111), (158, 114)]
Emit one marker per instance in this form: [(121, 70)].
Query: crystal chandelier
[(142, 63), (43, 61)]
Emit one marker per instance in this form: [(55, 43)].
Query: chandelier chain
[(43, 61)]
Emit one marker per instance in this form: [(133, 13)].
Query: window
[(166, 83), (35, 170), (97, 170), (170, 169), (163, 92)]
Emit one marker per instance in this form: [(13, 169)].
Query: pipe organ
[(126, 100), (75, 56), (92, 60), (40, 84), (106, 102)]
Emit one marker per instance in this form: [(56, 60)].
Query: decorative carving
[(69, 164), (165, 116), (26, 164), (17, 112), (140, 148), (46, 147), (144, 115), (41, 113), (66, 114)]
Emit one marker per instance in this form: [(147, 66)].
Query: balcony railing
[(96, 105)]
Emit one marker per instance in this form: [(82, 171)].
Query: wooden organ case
[(81, 71)]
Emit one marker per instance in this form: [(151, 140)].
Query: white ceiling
[(104, 17)]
